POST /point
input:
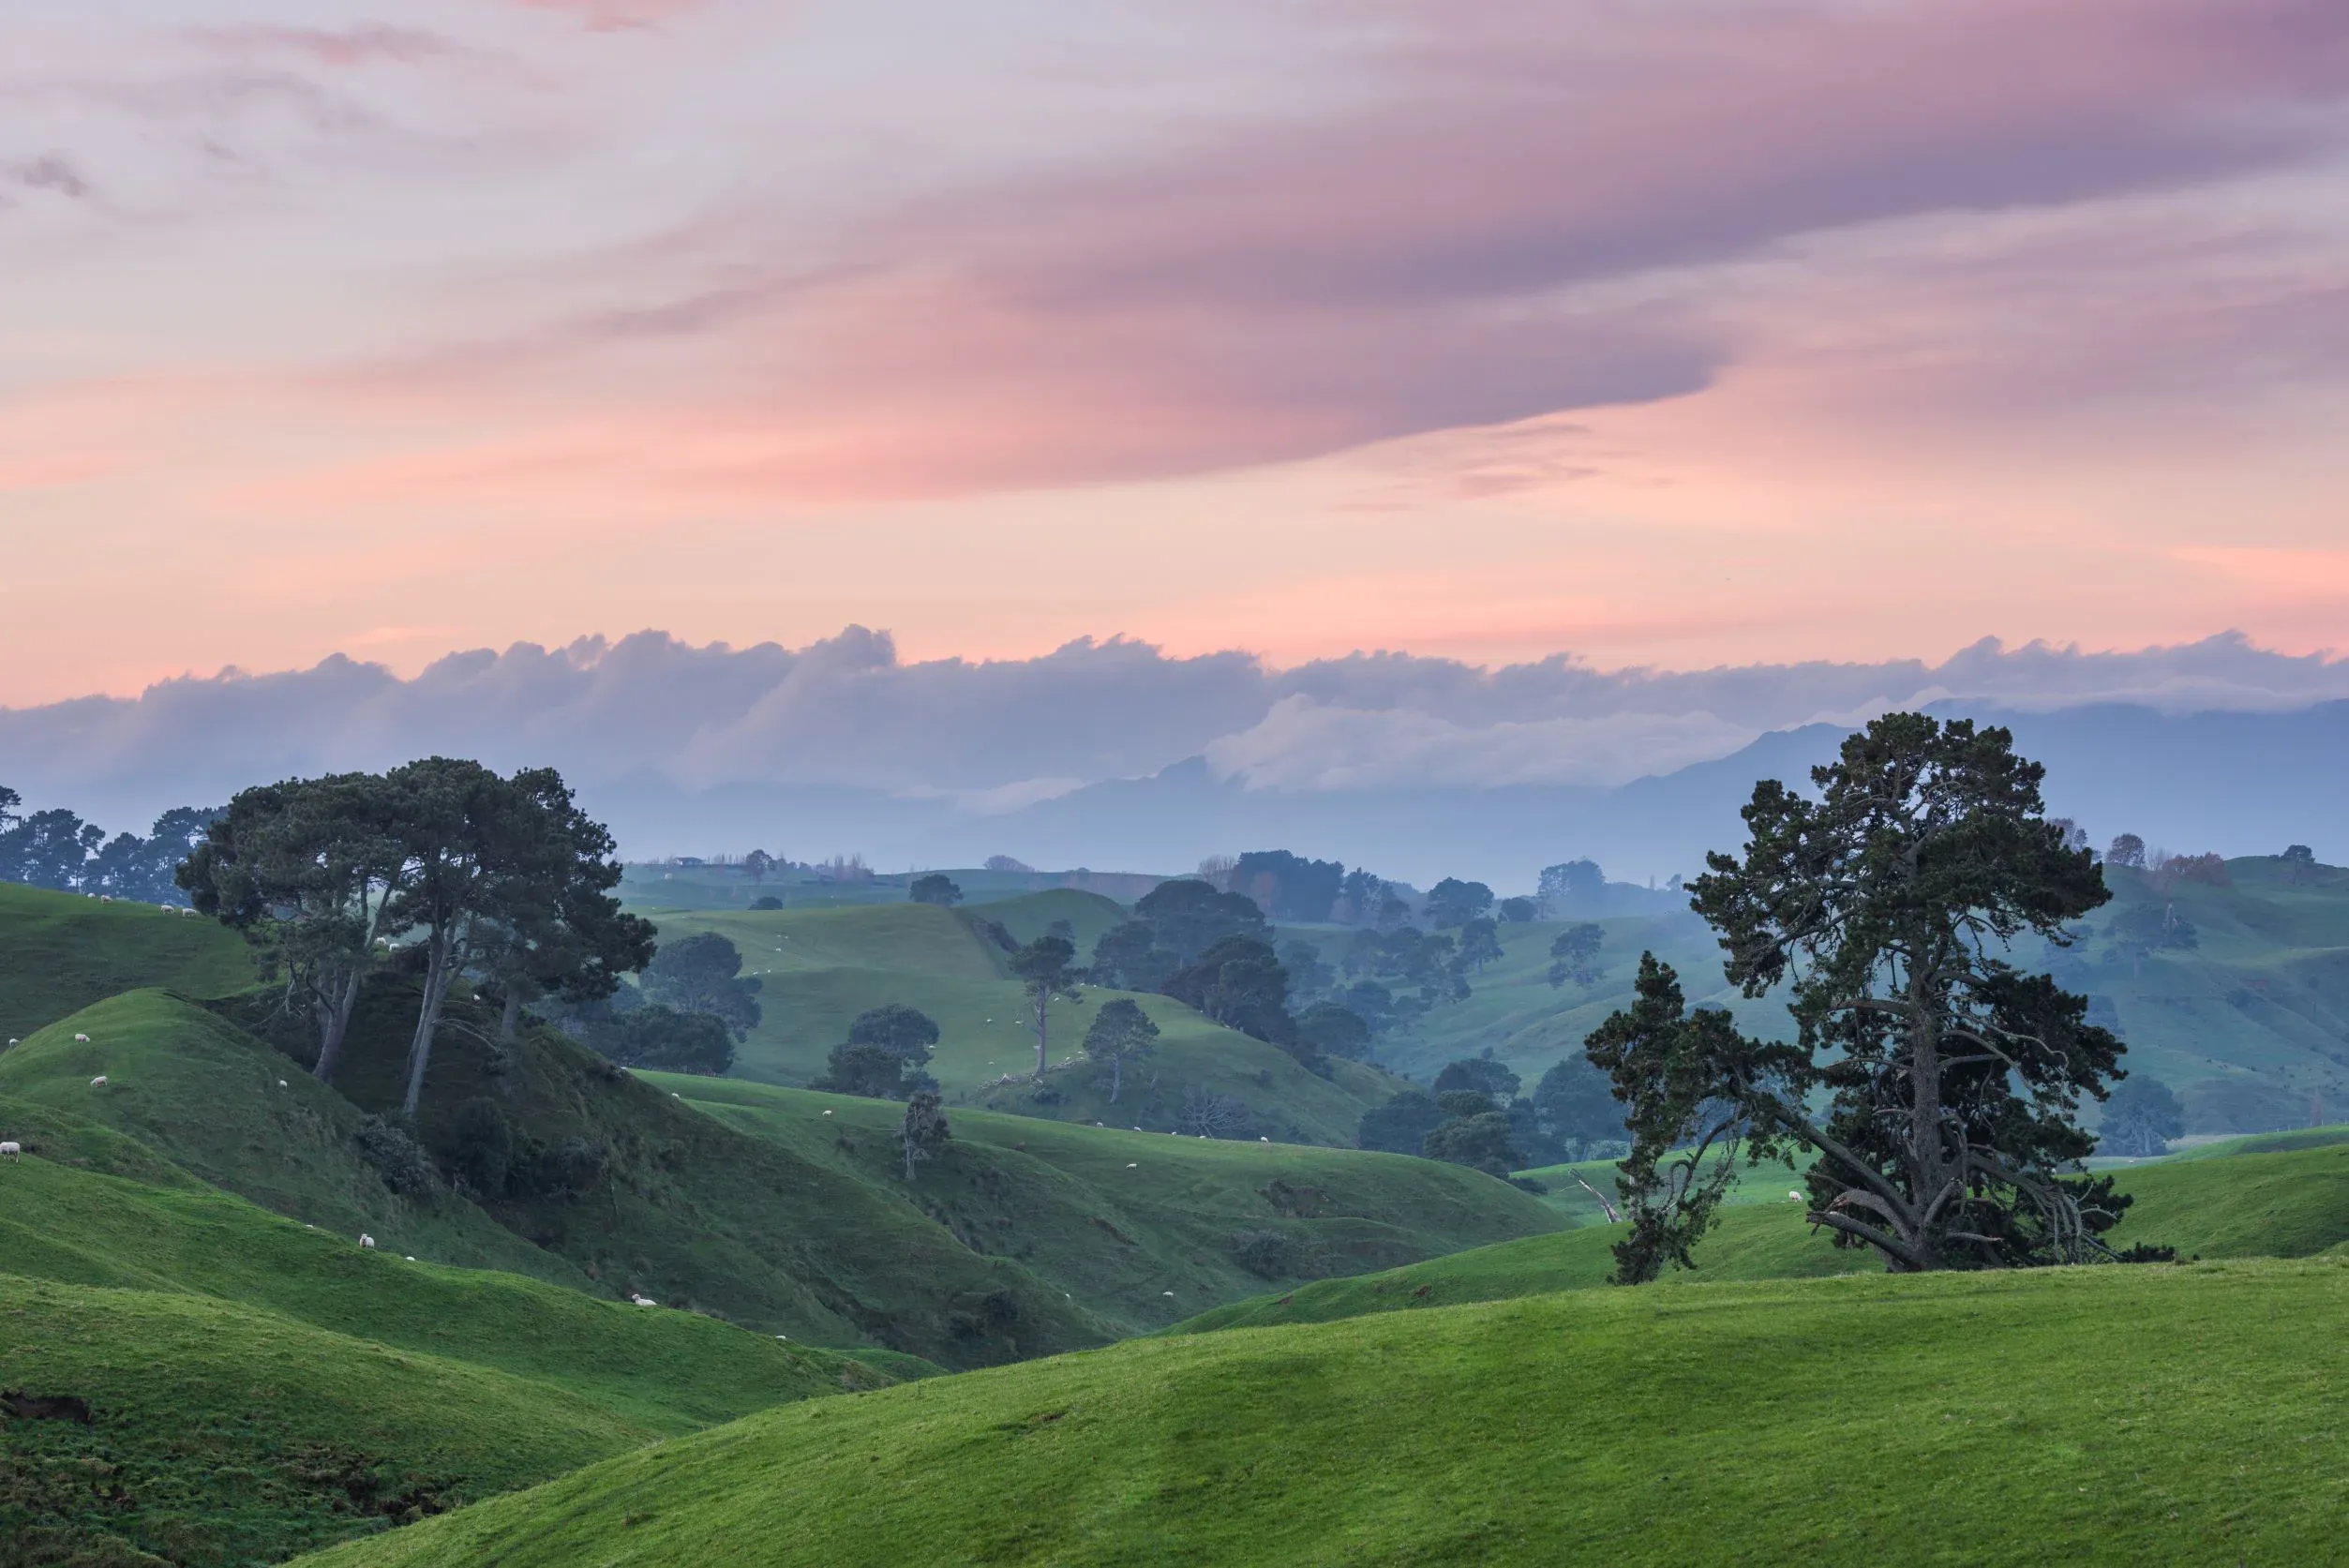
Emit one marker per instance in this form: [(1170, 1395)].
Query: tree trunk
[(513, 1018), (1116, 1076), (1924, 1123), (437, 970), (1043, 1004), (907, 1138), (334, 1027)]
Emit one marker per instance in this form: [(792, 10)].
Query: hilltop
[(59, 952), (1617, 1426)]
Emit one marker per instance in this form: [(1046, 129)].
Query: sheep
[(1794, 1197), (105, 898), (81, 1039), (412, 1257), (366, 1241), (644, 1301), (1132, 1165), (1263, 1139), (11, 1149), (99, 1083)]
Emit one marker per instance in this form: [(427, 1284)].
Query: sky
[(1735, 332)]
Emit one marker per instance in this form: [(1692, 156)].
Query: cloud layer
[(993, 737)]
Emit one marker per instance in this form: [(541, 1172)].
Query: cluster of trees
[(440, 869), (1935, 1083), (690, 1007), (56, 848), (1473, 1115), (1213, 950)]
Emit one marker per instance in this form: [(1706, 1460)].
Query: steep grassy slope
[(666, 1371), (215, 1101), (2250, 1204), (1140, 1228), (821, 967), (221, 1434), (59, 952), (2167, 1415), (685, 1210)]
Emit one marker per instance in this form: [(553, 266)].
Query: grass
[(666, 1371), (206, 1095), (1138, 1228), (2250, 1202), (222, 1434), (64, 952), (1749, 1243), (2127, 1416)]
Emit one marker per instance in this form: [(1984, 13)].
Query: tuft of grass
[(2152, 1415)]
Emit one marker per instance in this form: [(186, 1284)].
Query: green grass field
[(1139, 1227), (2164, 1416), (59, 952)]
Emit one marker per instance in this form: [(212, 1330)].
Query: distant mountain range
[(2234, 781)]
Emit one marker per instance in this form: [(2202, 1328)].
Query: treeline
[(57, 849), (439, 870)]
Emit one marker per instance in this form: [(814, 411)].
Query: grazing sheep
[(827, 1112), (644, 1301), (412, 1257), (81, 1039), (281, 1083), (11, 1149), (366, 1241), (1131, 1165), (1794, 1197), (1262, 1140), (105, 898), (99, 1083)]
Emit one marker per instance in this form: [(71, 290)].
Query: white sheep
[(105, 898), (644, 1301), (366, 1241), (1262, 1140), (11, 1149), (99, 1083), (827, 1112), (1794, 1197), (81, 1039), (1132, 1165), (412, 1257), (281, 1083)]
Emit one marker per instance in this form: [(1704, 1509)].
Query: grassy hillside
[(821, 967), (221, 1434), (1751, 1243), (59, 952), (2170, 1415), (2247, 1201), (2250, 1026), (1142, 1229), (664, 1371), (215, 1101)]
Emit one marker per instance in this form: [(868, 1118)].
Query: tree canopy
[(1122, 1033), (1452, 903), (1047, 969), (937, 888), (703, 973), (1951, 1081)]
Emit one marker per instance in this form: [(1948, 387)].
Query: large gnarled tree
[(1937, 1084)]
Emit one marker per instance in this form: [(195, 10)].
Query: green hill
[(225, 1435), (59, 952), (212, 1100), (821, 967), (666, 1371), (1141, 1229), (2247, 1201), (2170, 1415), (1750, 1243)]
